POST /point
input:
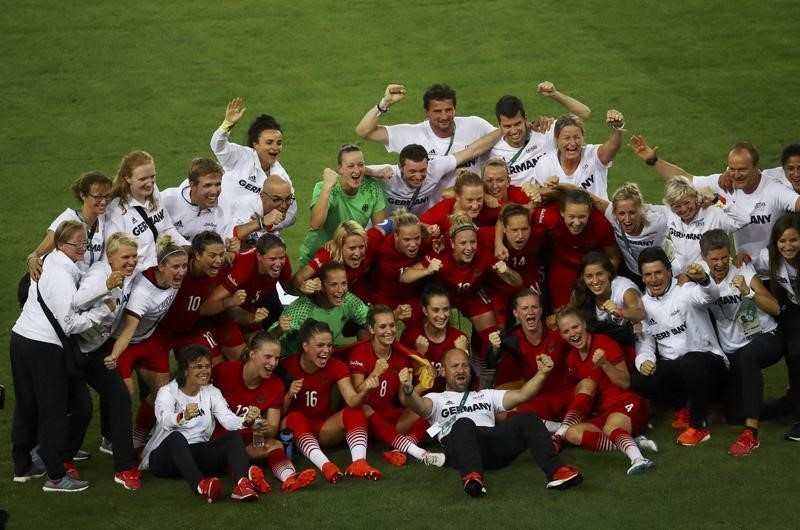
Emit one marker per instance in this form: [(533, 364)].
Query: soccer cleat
[(745, 445), (396, 458), (640, 465), (105, 446), (646, 443), (81, 455), (244, 490), (433, 459), (558, 442), (691, 437), (210, 488), (65, 484), (130, 478), (72, 470), (565, 477), (681, 420), (299, 480), (256, 477), (794, 433), (473, 485), (332, 472), (361, 468)]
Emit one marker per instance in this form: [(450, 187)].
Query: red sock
[(578, 409), (597, 441), (279, 464), (625, 442), (386, 433), (305, 442), (146, 416), (355, 427), (418, 431)]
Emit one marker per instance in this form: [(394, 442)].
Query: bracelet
[(226, 125), (382, 109), (652, 160), (261, 223), (750, 295), (619, 128)]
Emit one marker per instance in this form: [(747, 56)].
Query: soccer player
[(521, 147), (498, 185), (308, 404), (585, 166), (247, 167), (747, 333), (339, 198), (618, 413), (575, 228), (688, 363), (193, 207), (254, 215), (383, 358), (469, 198), (250, 380), (441, 134), (464, 422)]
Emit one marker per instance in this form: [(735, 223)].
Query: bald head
[(455, 363), (276, 193)]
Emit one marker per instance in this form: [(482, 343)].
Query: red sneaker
[(256, 477), (130, 478), (681, 420), (244, 491), (360, 468), (332, 472), (745, 445), (691, 437), (396, 458), (210, 488), (565, 477), (72, 470), (299, 480), (473, 485)]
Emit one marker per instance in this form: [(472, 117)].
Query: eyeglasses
[(79, 245), (101, 198), (288, 200), (204, 366)]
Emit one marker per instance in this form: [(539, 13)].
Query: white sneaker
[(640, 465), (433, 459), (646, 443)]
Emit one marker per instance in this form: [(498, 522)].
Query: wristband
[(261, 223), (226, 125), (383, 108), (619, 128), (750, 295), (387, 225), (652, 160)]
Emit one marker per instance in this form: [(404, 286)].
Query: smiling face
[(352, 170), (265, 359), (743, 171), (354, 250), (437, 311), (657, 277), (515, 129), (205, 192), (98, 198), (142, 181), (384, 330), (628, 214), (271, 262), (276, 195), (686, 208), (597, 280), (210, 261), (789, 244), (334, 287), (718, 261), (517, 231), (441, 115), (75, 245), (496, 182), (465, 244), (792, 171), (124, 260), (317, 349), (570, 143), (576, 217), (414, 173), (528, 312), (407, 240), (573, 331), (470, 200), (456, 370), (173, 270), (199, 372), (268, 147)]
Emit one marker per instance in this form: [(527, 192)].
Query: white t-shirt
[(467, 130), (398, 194), (95, 251), (244, 175), (786, 274), (591, 174), (149, 303), (777, 175), (521, 161), (737, 318), (619, 286), (188, 218), (653, 234), (480, 406), (764, 205), (685, 237), (249, 209)]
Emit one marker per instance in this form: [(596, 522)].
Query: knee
[(463, 426), (573, 435)]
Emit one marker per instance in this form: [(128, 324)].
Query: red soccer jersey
[(362, 361), (244, 275), (357, 279), (516, 196), (551, 344), (439, 213), (462, 280), (389, 266), (184, 312), (268, 395), (314, 398), (435, 350), (568, 249), (607, 392), (524, 261)]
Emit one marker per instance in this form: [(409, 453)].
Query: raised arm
[(548, 89), (422, 406), (478, 147), (418, 271), (532, 386), (610, 148), (650, 157), (368, 127), (220, 144), (319, 212)]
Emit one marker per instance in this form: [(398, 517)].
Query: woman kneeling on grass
[(181, 445)]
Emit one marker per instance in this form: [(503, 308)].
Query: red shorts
[(391, 415), (472, 305), (227, 333), (151, 354), (550, 405), (560, 281), (630, 404)]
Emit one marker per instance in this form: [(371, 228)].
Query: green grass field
[(86, 83)]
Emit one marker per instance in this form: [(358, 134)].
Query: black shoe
[(794, 433), (473, 485)]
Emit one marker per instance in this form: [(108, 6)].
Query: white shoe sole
[(62, 490)]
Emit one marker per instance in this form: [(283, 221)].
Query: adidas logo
[(432, 152), (134, 220), (179, 223), (251, 178)]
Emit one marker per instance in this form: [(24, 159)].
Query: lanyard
[(453, 137), (89, 233), (527, 139)]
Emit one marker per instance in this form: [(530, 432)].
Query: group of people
[(586, 307)]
